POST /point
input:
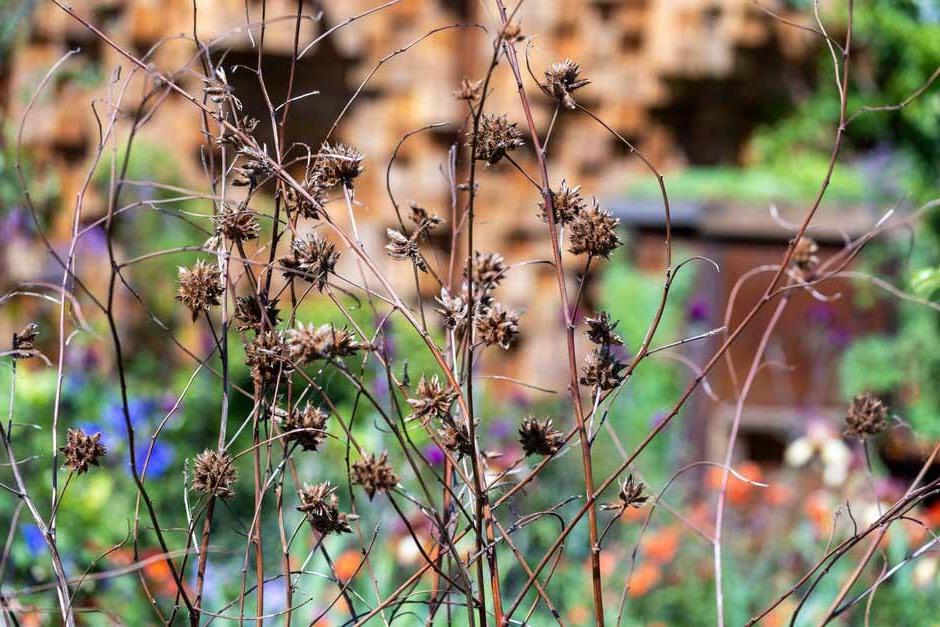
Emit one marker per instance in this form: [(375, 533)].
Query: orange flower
[(661, 546), (579, 615), (739, 492), (347, 564), (644, 578), (819, 510), (777, 494)]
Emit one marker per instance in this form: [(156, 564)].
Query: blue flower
[(140, 410), (34, 540), (161, 458)]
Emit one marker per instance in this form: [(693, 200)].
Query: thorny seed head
[(338, 164), (600, 330), (249, 315), (298, 204), (405, 248), (267, 357), (630, 495), (867, 415), (424, 221), (200, 287), (469, 90), (496, 137), (539, 437), (498, 326), (489, 269), (602, 370), (453, 309), (593, 231), (24, 342), (82, 450), (237, 223), (455, 437), (254, 168), (563, 78), (311, 419), (321, 507), (374, 474), (308, 343), (312, 258), (432, 399), (214, 473), (567, 203), (804, 256)]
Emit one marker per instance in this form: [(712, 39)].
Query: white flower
[(821, 441)]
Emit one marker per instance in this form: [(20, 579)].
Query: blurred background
[(735, 107)]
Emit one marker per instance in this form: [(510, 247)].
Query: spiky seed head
[(214, 473), (309, 424), (237, 223), (433, 399), (469, 90), (24, 341), (455, 437), (254, 313), (402, 247), (600, 330), (496, 137), (804, 256), (498, 326), (567, 203), (299, 204), (630, 495), (308, 343), (81, 451), (374, 474), (268, 358), (594, 231), (564, 78), (539, 437), (602, 370), (453, 309), (321, 506), (867, 416), (339, 164), (489, 269), (200, 287), (312, 258)]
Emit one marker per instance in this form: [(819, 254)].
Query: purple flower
[(433, 454), (698, 310), (500, 429), (161, 458), (33, 537)]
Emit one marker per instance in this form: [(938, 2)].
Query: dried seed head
[(321, 506), (601, 330), (424, 221), (312, 420), (254, 313), (498, 326), (374, 474), (602, 370), (489, 269), (469, 90), (200, 287), (539, 437), (298, 204), (236, 223), (512, 32), (405, 248), (593, 231), (496, 137), (563, 78), (338, 164), (214, 473), (566, 204), (82, 450), (630, 495), (433, 398), (804, 256), (308, 343), (453, 309), (254, 168), (455, 437), (312, 258), (24, 342), (867, 415), (268, 358)]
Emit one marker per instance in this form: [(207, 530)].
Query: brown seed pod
[(308, 343), (867, 416), (312, 420), (250, 316), (268, 358), (374, 474), (593, 231), (567, 203), (602, 370), (433, 399), (339, 164), (237, 223), (200, 287), (539, 437), (630, 495), (312, 258), (564, 78), (600, 330), (24, 342), (321, 506), (498, 326), (496, 137), (82, 450), (804, 256), (214, 473)]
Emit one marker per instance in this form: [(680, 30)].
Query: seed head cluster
[(81, 451), (374, 474), (255, 313), (237, 223), (268, 358), (567, 204), (496, 138), (214, 474), (24, 342), (539, 437), (338, 164), (593, 231), (432, 400), (867, 416), (804, 256), (309, 425), (200, 287), (321, 506), (563, 78), (308, 343), (312, 258)]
